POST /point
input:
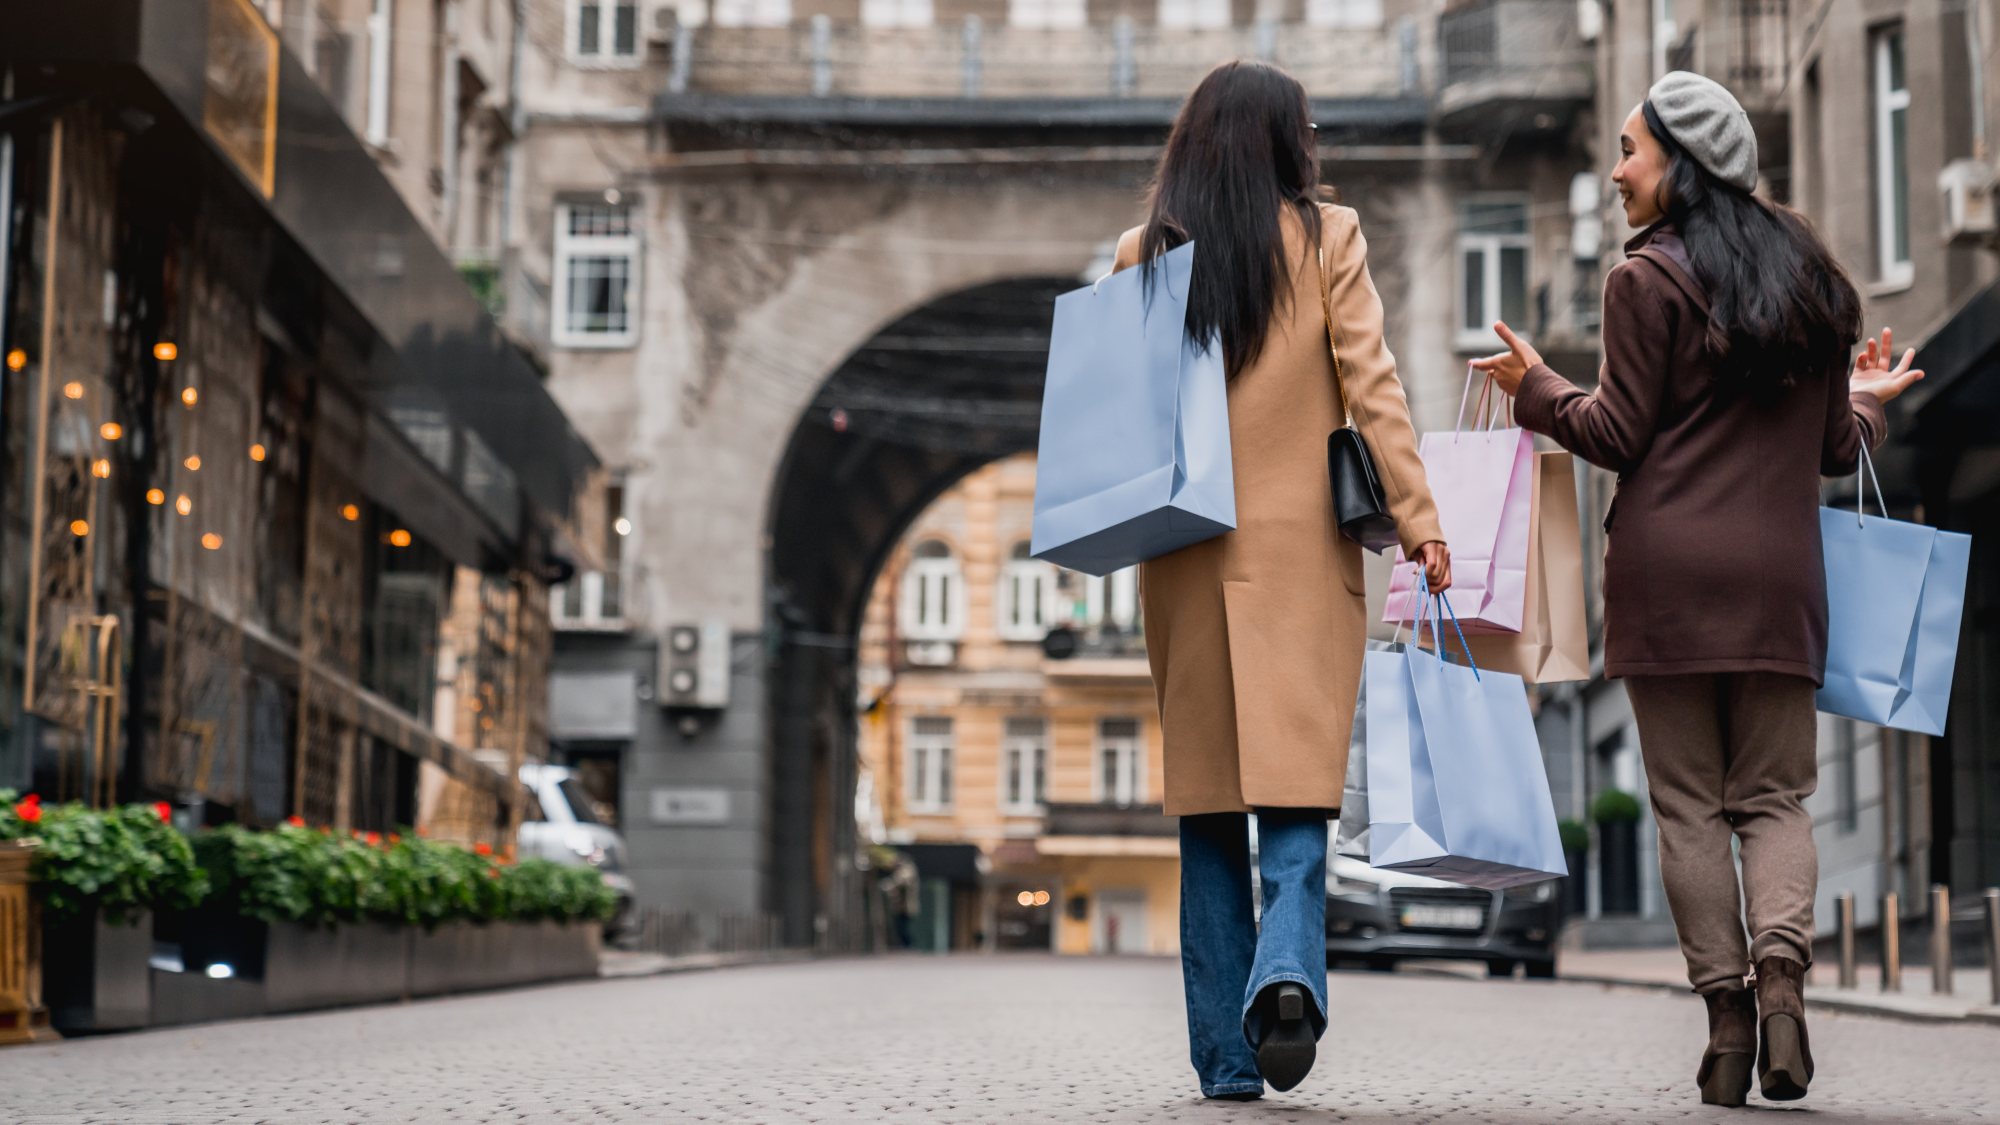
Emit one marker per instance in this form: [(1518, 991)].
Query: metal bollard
[(1941, 940), (1849, 975), (1993, 944), (1892, 944)]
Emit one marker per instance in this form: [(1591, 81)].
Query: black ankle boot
[(1285, 1053)]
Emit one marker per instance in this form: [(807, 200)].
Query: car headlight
[(1351, 887), (1537, 892)]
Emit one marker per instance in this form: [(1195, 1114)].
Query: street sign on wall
[(689, 806)]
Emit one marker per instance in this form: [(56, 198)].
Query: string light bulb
[(111, 431), (155, 497), (79, 528), (399, 538), (17, 359), (193, 462), (72, 390), (350, 512), (101, 468), (190, 396), (212, 541), (182, 504), (166, 352), (257, 452)]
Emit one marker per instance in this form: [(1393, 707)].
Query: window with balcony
[(1024, 760), (930, 764), (1045, 15), (1027, 596), (933, 596), (1121, 762), (596, 598), (1892, 169), (604, 31), (1194, 14), (596, 276), (896, 13), (752, 13), (1351, 14), (1493, 269), (1112, 600)]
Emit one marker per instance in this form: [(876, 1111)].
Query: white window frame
[(1029, 618), (571, 246), (607, 54), (933, 599), (589, 585), (929, 764), (1024, 766), (750, 13), (1479, 335), (1892, 183), (1126, 755), (1350, 15), (1665, 31), (1112, 599), (1045, 15), (1194, 15), (897, 13), (381, 56)]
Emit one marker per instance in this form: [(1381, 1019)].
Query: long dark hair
[(1780, 306), (1240, 151)]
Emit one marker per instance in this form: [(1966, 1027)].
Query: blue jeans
[(1226, 958)]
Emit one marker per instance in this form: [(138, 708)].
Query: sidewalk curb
[(1835, 1002), (701, 962)]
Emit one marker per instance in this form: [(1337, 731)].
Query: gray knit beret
[(1710, 124)]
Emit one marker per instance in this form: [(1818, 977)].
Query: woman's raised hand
[(1508, 368), (1873, 375)]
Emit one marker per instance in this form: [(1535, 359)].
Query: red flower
[(296, 821), (395, 839), (492, 873), (482, 849), (29, 809), (374, 838), (163, 810)]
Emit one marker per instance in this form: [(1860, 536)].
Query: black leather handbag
[(1359, 507)]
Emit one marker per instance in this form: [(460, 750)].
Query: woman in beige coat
[(1256, 638)]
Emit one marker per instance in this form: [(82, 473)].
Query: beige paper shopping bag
[(1553, 645)]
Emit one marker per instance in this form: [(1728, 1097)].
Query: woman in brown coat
[(1720, 404), (1256, 637)]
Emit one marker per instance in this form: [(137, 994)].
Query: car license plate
[(1441, 917)]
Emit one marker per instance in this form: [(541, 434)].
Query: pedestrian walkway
[(1970, 998)]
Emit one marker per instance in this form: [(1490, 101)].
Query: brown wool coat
[(1256, 637), (1713, 557)]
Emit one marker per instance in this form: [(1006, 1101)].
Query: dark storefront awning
[(1958, 401), (216, 66), (954, 863)]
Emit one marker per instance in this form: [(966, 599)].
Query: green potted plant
[(99, 874), (1617, 814)]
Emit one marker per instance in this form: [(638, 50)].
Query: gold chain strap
[(1332, 342)]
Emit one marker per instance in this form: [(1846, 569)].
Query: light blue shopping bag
[(1895, 596), (1134, 458), (1456, 785)]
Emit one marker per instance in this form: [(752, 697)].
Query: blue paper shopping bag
[(1456, 785), (1134, 457), (1895, 597)]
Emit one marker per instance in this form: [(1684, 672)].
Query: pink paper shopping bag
[(1483, 481)]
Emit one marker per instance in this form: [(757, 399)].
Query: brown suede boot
[(1724, 1076), (1784, 1062)]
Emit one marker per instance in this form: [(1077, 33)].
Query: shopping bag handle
[(1483, 416), (1436, 620), (1866, 470)]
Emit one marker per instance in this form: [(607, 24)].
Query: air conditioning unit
[(694, 667), (1967, 186)]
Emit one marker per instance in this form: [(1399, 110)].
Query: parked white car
[(570, 830)]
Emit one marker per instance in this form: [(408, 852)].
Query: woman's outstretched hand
[(1873, 375), (1435, 558), (1508, 368)]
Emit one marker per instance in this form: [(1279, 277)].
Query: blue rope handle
[(1437, 633)]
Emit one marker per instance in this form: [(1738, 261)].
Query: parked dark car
[(1377, 918)]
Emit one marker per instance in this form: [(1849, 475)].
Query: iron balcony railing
[(976, 59), (1532, 40), (1106, 819)]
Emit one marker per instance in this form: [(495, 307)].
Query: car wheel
[(1499, 968), (1541, 970)]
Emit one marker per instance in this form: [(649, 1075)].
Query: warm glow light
[(190, 396), (1041, 898), (101, 468), (165, 351), (212, 541), (79, 528), (111, 431), (155, 497), (17, 359), (72, 390), (257, 452), (350, 512), (399, 538), (1025, 898), (623, 526), (193, 462), (182, 504)]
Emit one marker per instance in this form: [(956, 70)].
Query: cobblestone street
[(968, 1039)]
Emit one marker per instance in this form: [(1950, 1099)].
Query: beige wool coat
[(1256, 637)]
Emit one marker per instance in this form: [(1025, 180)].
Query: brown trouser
[(1732, 754)]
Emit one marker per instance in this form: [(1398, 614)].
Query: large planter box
[(304, 968), (467, 956), (97, 976), (23, 1018)]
